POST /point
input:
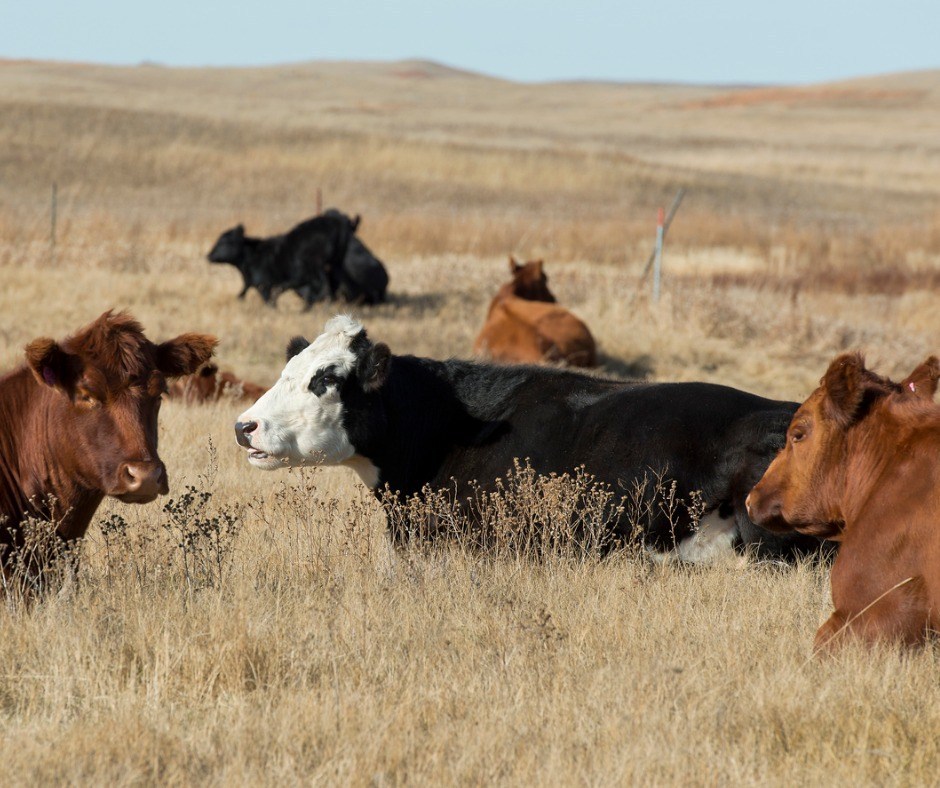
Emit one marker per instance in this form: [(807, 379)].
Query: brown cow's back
[(523, 331), (207, 384), (525, 325)]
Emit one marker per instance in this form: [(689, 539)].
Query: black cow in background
[(361, 277), (320, 258)]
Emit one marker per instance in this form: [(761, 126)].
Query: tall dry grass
[(261, 629)]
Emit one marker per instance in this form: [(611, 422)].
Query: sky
[(718, 41)]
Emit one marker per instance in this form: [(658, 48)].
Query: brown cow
[(861, 465), (207, 384), (525, 325), (80, 422)]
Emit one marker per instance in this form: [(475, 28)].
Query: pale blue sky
[(669, 40)]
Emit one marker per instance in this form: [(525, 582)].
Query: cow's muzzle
[(141, 482), (243, 430)]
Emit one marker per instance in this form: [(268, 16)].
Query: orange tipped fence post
[(656, 257)]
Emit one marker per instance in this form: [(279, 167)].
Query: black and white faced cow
[(409, 422)]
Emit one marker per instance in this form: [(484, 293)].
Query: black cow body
[(409, 422), (318, 259), (449, 424)]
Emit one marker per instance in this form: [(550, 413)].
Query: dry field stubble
[(292, 645)]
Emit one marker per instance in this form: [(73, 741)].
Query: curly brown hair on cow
[(81, 418)]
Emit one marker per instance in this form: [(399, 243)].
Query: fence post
[(52, 218), (669, 217), (658, 261)]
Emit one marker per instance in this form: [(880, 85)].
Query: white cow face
[(302, 419)]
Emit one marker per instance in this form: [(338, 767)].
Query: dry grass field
[(265, 632)]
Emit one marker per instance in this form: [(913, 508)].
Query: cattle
[(207, 384), (80, 422), (318, 259), (861, 466), (362, 278), (525, 325), (409, 422)]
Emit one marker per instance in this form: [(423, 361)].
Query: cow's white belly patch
[(367, 471), (713, 540)]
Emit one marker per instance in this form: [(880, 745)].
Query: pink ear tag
[(911, 386), (48, 375)]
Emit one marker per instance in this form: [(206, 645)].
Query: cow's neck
[(36, 478), (891, 470), (424, 414)]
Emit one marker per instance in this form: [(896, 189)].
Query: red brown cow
[(861, 466), (207, 384), (80, 422), (525, 325)]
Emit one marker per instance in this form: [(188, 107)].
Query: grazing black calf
[(253, 257), (320, 258), (409, 422)]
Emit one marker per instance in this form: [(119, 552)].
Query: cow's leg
[(830, 635), (269, 294), (898, 615)]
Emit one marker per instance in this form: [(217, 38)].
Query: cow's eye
[(797, 435), (86, 399), (320, 383)]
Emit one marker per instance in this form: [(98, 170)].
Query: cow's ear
[(373, 367), (922, 382), (355, 222), (185, 354), (295, 346), (51, 365), (240, 230), (513, 264), (850, 388)]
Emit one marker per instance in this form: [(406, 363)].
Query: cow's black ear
[(295, 346), (373, 367), (240, 229), (52, 365), (355, 222)]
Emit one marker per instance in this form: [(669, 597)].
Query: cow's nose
[(243, 430), (143, 480)]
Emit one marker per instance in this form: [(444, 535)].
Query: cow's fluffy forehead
[(335, 347)]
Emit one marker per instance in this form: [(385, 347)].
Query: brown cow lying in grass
[(861, 465), (207, 384), (80, 422), (525, 325)]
